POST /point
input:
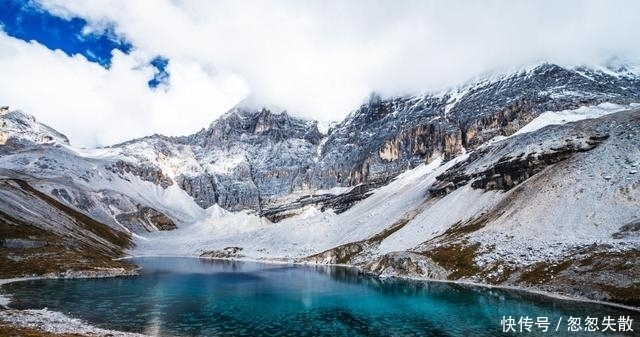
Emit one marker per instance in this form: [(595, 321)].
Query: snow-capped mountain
[(433, 185), (261, 160)]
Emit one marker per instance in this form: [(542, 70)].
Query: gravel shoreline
[(54, 322)]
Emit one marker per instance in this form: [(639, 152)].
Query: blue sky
[(26, 20), (106, 71)]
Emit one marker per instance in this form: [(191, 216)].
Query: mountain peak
[(18, 127), (256, 125)]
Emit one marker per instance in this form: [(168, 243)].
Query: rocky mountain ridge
[(274, 163), (269, 162), (260, 160)]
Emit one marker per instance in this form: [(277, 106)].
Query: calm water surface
[(192, 297)]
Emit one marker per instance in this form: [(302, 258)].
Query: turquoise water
[(193, 297)]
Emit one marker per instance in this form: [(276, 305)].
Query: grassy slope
[(84, 244)]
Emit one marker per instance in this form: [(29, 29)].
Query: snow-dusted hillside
[(97, 182)]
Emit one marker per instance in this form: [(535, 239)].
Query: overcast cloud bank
[(318, 59)]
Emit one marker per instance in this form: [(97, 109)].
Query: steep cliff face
[(503, 105), (381, 139), (386, 136), (145, 172), (249, 159)]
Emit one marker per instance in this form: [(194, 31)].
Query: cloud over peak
[(316, 58)]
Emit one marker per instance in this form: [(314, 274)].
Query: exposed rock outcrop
[(402, 264), (509, 170), (145, 172), (146, 219), (226, 253), (336, 202), (250, 159)]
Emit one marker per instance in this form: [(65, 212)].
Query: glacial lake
[(194, 297)]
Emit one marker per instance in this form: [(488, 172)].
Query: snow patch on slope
[(460, 205), (454, 99), (172, 200), (567, 116), (311, 232)]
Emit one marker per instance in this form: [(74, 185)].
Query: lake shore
[(51, 322), (530, 290), (43, 322)]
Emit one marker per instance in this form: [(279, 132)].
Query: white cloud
[(316, 58), (95, 106)]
